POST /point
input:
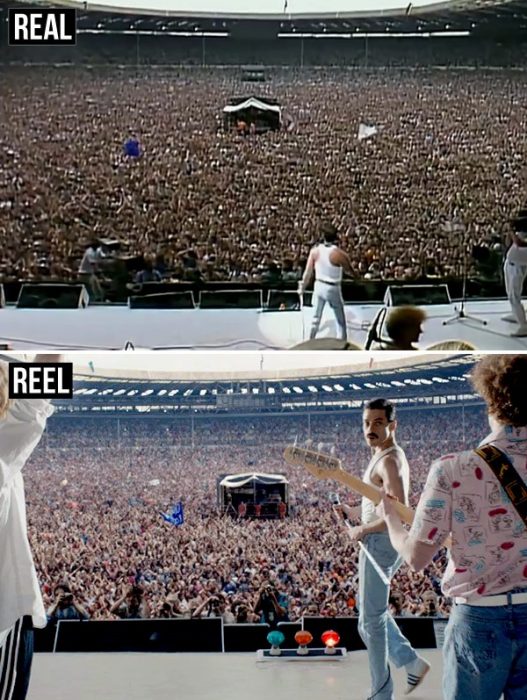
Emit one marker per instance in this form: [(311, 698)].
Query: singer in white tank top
[(388, 468), (368, 514), (326, 263)]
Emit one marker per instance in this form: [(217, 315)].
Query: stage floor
[(112, 327), (211, 676)]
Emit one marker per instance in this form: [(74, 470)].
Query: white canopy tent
[(263, 115), (253, 488), (235, 481), (254, 103)]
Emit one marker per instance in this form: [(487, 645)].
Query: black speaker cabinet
[(165, 300), (53, 296)]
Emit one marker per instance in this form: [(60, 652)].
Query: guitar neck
[(372, 493)]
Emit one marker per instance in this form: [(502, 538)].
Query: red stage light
[(330, 639)]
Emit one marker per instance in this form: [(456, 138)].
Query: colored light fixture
[(330, 638), (275, 638), (303, 638)]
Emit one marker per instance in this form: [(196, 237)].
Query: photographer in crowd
[(271, 606), (65, 606)]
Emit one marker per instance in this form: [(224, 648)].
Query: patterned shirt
[(489, 539)]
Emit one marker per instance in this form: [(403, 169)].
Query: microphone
[(335, 501)]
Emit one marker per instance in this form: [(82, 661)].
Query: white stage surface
[(211, 676), (111, 327)]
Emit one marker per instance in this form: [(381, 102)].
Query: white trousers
[(9, 655), (515, 275), (328, 294)]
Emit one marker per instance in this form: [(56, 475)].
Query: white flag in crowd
[(366, 132)]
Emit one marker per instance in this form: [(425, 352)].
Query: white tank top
[(368, 514), (325, 271)]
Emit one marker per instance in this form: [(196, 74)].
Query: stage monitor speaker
[(231, 299), (161, 635), (165, 300), (417, 295), (326, 344), (52, 296)]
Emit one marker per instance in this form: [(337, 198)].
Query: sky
[(269, 7), (219, 363)]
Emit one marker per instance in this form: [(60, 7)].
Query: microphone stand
[(460, 314), (377, 322)]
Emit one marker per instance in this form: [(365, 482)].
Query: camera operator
[(131, 606), (428, 608), (404, 328), (243, 614), (65, 606), (271, 606), (214, 606)]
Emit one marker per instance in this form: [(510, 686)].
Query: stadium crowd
[(95, 524), (203, 203)]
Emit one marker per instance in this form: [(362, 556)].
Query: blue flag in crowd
[(132, 148), (176, 517)]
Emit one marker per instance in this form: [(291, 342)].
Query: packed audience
[(206, 204), (96, 489)]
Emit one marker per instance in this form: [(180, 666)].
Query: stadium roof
[(447, 376), (487, 16)]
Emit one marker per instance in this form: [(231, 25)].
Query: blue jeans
[(378, 629), (485, 653)]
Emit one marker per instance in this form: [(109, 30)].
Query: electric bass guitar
[(323, 466)]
